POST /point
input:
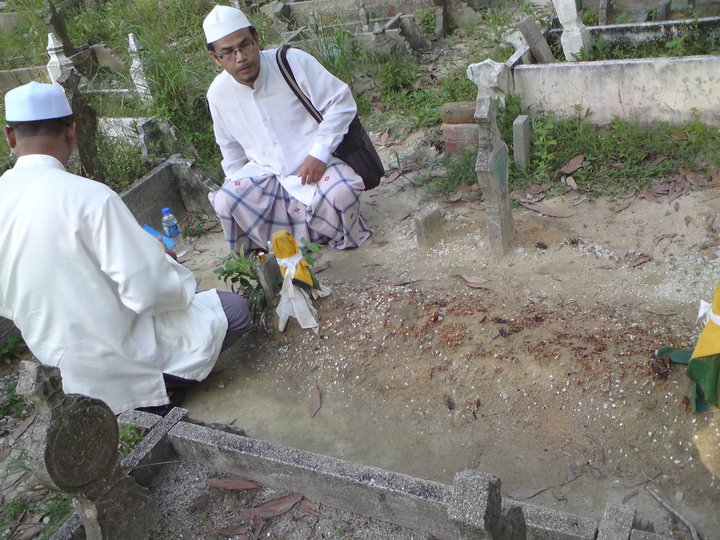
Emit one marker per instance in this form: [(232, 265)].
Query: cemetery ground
[(537, 366)]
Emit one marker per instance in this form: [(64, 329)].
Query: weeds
[(130, 437), (240, 271), (11, 348), (12, 404), (621, 156), (459, 171)]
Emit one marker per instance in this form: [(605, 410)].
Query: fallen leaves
[(232, 483), (315, 400), (545, 210), (20, 429), (573, 165), (474, 282), (273, 507)]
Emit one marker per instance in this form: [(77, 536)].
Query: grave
[(472, 507)]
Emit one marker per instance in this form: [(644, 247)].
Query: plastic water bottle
[(170, 224)]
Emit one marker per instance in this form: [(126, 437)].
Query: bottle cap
[(166, 210)]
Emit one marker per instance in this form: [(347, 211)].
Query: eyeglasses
[(244, 48)]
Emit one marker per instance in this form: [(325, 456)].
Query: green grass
[(621, 156), (688, 42)]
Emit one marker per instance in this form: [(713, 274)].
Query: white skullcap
[(36, 101), (222, 21)]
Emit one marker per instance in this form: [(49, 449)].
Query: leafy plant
[(12, 404), (11, 347), (240, 271), (426, 19), (130, 437)]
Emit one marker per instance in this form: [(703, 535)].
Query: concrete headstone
[(536, 41), (522, 141), (74, 449), (575, 37)]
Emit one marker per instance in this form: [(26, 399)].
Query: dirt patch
[(542, 376)]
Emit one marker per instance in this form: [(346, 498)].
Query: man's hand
[(311, 170)]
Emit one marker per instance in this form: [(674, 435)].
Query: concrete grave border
[(471, 508)]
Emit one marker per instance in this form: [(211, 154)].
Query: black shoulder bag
[(356, 148)]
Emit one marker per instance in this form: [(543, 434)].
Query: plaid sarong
[(250, 210)]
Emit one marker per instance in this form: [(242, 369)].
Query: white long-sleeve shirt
[(94, 294), (266, 128)]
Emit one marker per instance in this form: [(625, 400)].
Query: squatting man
[(280, 172), (91, 292)]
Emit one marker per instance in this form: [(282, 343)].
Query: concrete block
[(522, 140), (617, 522), (154, 448), (536, 41), (662, 10), (428, 226), (475, 505), (458, 112), (392, 497), (458, 137), (546, 524)]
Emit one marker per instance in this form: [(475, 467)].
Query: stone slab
[(458, 112), (522, 141), (546, 524), (428, 226), (406, 501), (536, 41), (616, 523), (475, 506)]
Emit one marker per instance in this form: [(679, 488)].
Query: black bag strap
[(281, 57)]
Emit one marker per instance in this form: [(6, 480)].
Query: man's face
[(239, 54)]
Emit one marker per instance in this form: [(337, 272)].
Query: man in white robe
[(280, 172), (91, 292)]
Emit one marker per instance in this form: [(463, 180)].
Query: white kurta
[(266, 129), (94, 294)]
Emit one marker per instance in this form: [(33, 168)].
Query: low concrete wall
[(347, 10), (645, 90), (175, 183), (13, 78)]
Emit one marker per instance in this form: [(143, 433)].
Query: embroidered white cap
[(36, 101), (222, 21)]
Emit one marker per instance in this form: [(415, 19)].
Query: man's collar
[(38, 160)]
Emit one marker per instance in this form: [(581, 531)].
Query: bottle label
[(172, 231)]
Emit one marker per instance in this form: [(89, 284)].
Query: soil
[(537, 366)]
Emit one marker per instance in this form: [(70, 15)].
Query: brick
[(458, 112)]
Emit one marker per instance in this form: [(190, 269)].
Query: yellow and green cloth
[(703, 363)]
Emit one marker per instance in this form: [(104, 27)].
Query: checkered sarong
[(252, 209)]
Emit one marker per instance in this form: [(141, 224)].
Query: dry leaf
[(596, 472), (624, 206), (662, 313), (537, 189), (573, 472), (384, 137), (456, 198), (380, 242), (315, 400), (272, 508), (209, 225), (570, 182), (30, 532), (641, 259), (632, 481), (687, 220), (544, 210), (258, 525), (309, 507), (630, 495), (648, 196), (658, 160), (658, 239), (474, 282), (578, 201), (392, 176), (232, 483), (20, 429), (677, 206), (630, 194), (573, 165), (527, 493), (694, 178), (406, 215)]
